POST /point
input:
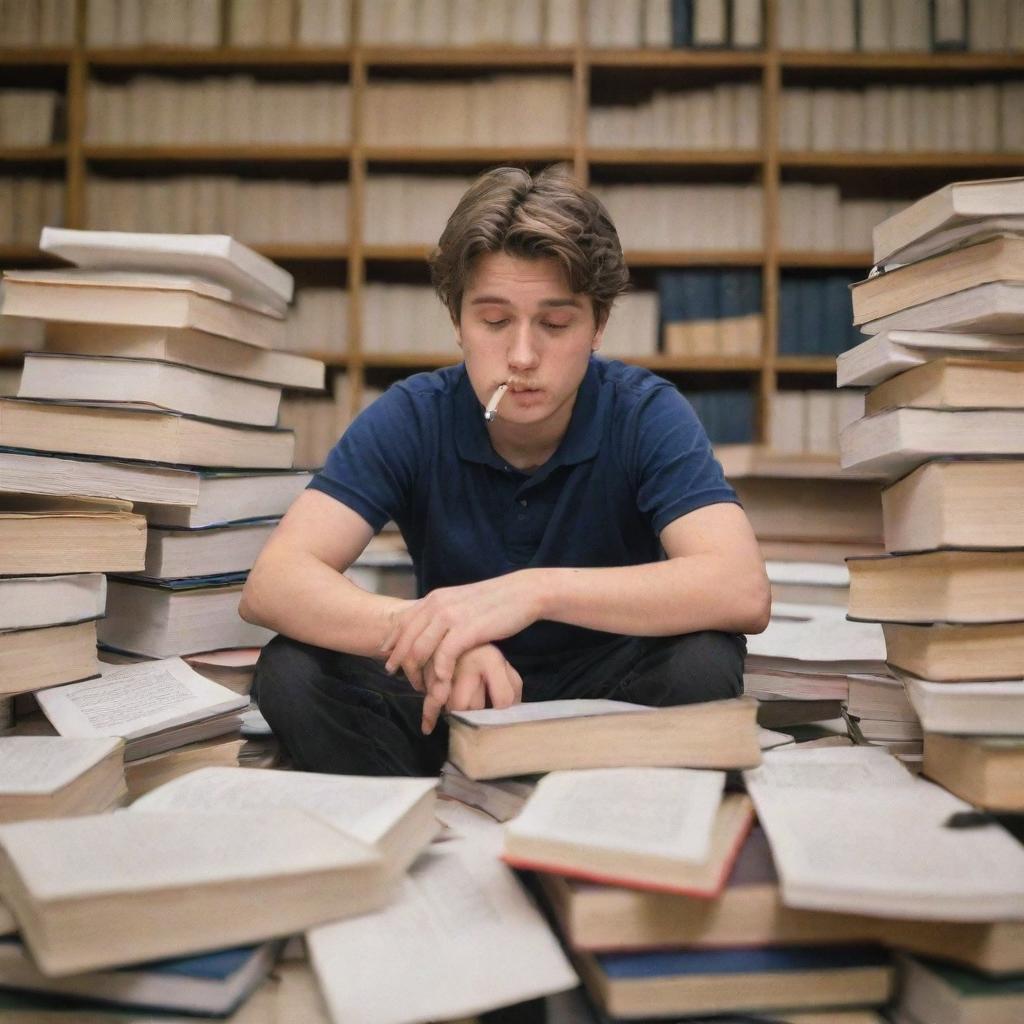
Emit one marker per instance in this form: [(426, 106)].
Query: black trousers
[(343, 714)]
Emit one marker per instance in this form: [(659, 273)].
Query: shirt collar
[(580, 443)]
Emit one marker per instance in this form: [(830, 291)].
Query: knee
[(711, 662), (285, 675), (689, 669)]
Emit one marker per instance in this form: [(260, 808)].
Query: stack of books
[(945, 424), (159, 385)]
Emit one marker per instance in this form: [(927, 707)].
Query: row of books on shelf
[(318, 421), (810, 422), (26, 204), (906, 26), (710, 312), (670, 217), (535, 23), (814, 314), (224, 110), (29, 117), (256, 209), (318, 321), (820, 218), (981, 118), (725, 117), (714, 24), (198, 23), (470, 113), (37, 23)]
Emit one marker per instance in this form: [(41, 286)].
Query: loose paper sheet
[(667, 812), (362, 806), (542, 711), (136, 700), (462, 938), (851, 830), (44, 764)]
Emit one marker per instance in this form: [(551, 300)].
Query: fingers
[(434, 703)]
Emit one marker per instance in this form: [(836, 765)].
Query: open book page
[(851, 830), (665, 812), (461, 938), (135, 700), (542, 711), (123, 852), (362, 806), (813, 634), (44, 764), (822, 573)]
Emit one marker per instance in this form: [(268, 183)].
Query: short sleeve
[(672, 462), (372, 467)]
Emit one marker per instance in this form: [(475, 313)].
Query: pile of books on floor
[(945, 423), (142, 445), (675, 904)]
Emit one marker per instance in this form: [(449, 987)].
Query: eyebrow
[(497, 300)]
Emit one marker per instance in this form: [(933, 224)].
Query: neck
[(528, 447)]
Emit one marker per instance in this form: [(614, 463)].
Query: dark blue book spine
[(730, 294), (810, 315), (750, 291), (670, 304), (947, 41), (837, 313), (682, 23), (789, 316), (699, 294)]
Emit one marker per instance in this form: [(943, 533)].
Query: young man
[(581, 543)]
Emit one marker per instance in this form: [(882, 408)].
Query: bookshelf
[(355, 262)]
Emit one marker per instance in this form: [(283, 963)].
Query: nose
[(522, 350)]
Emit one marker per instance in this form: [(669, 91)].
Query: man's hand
[(441, 627), (482, 677)]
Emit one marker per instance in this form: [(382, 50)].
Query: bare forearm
[(311, 602), (680, 595)]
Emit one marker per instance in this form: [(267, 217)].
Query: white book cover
[(245, 273), (28, 602), (659, 812), (818, 635), (456, 907), (657, 23), (876, 25), (747, 30), (136, 700), (365, 807), (851, 830), (710, 23), (790, 24), (37, 765), (994, 708), (560, 23)]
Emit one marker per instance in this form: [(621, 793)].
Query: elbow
[(759, 611), (248, 605)]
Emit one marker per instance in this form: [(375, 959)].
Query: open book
[(461, 938), (564, 734), (112, 889), (394, 815), (852, 830), (652, 828), (154, 705), (50, 776)]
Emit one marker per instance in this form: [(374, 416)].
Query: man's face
[(520, 324)]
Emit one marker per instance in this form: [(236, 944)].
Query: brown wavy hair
[(545, 215)]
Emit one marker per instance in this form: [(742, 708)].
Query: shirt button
[(522, 501)]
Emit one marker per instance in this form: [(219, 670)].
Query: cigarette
[(492, 406)]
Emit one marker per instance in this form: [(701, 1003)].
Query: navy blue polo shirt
[(634, 458)]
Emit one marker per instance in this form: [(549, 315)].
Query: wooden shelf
[(694, 258), (891, 161), (805, 364), (680, 157), (838, 260), (726, 60), (412, 360), (35, 57), (497, 56), (186, 57), (617, 75), (255, 153), (33, 154), (287, 252), (466, 154), (831, 60), (697, 364)]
